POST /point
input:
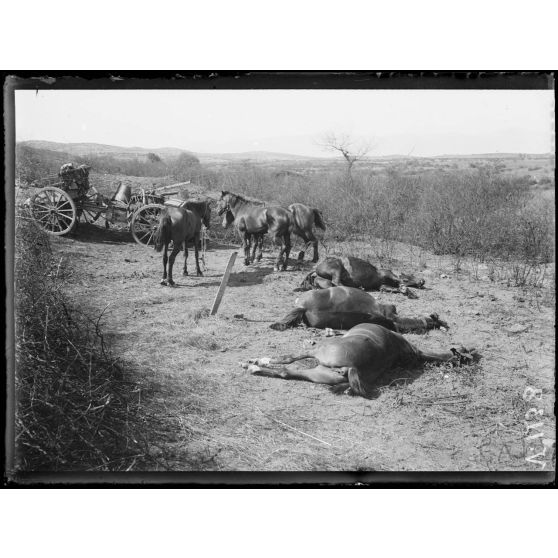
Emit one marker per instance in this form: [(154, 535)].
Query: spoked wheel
[(145, 222), (54, 211), (92, 206)]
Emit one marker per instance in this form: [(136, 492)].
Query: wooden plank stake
[(223, 284)]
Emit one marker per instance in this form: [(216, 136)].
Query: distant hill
[(83, 149), (494, 156), (253, 156)]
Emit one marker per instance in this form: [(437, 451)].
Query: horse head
[(223, 203), (228, 218)]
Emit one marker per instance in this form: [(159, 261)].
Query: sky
[(404, 122)]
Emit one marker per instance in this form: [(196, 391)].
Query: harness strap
[(203, 236)]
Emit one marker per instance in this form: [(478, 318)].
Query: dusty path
[(209, 414)]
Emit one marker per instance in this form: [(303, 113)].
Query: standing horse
[(181, 225), (253, 220), (305, 218)]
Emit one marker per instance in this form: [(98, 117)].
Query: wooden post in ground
[(223, 284)]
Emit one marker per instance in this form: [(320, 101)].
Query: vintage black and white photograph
[(216, 276)]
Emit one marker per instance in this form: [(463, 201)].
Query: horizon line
[(399, 155)]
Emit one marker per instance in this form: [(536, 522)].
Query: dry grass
[(431, 418), (207, 414), (77, 406)]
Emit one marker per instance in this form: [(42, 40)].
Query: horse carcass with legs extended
[(355, 272), (345, 307), (357, 360)]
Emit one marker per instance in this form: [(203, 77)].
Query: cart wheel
[(54, 211), (92, 206), (145, 222)]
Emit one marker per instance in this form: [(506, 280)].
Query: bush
[(475, 213), (75, 409)]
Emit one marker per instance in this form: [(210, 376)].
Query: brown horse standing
[(305, 218), (253, 220), (181, 225)]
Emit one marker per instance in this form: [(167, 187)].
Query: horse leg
[(279, 260), (260, 246), (185, 271), (255, 237), (246, 246), (305, 241), (287, 242), (172, 257), (165, 260), (417, 325), (283, 359), (197, 253), (314, 241), (319, 374), (460, 356)]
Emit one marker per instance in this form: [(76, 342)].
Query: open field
[(218, 417), (209, 414)]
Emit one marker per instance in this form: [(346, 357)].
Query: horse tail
[(163, 233), (355, 384), (319, 219), (292, 319)]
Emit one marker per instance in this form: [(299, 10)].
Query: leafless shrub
[(75, 407)]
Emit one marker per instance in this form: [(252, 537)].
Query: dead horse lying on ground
[(345, 307), (357, 359), (354, 272)]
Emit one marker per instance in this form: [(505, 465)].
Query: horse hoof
[(164, 282), (171, 283), (200, 274), (185, 274)]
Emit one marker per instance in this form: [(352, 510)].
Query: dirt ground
[(209, 414)]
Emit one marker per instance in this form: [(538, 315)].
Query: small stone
[(516, 328)]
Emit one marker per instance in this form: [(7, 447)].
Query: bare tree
[(351, 150)]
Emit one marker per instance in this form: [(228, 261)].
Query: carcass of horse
[(357, 360), (354, 272), (345, 307)]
